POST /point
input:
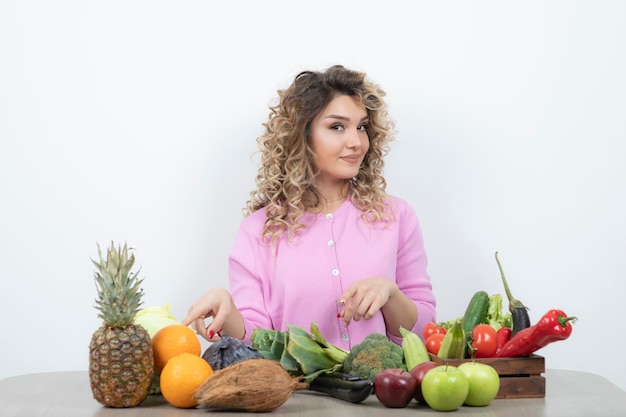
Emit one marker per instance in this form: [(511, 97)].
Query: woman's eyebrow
[(339, 117)]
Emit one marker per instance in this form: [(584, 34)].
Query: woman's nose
[(353, 140)]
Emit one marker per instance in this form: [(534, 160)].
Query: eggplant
[(519, 312), (343, 386)]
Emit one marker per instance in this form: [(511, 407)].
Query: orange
[(180, 378), (172, 340)]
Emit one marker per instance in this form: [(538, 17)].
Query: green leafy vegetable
[(495, 318), (374, 354), (299, 352), (155, 318)]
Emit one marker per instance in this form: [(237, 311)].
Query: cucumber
[(475, 313)]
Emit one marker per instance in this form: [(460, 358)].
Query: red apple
[(445, 388), (394, 388), (418, 373)]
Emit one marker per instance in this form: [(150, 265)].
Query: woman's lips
[(351, 158)]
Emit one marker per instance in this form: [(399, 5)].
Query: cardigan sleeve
[(411, 271), (246, 283)]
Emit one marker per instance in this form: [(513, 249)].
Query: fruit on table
[(484, 383), (171, 341), (445, 388), (418, 373), (120, 352), (394, 388), (255, 385), (181, 377)]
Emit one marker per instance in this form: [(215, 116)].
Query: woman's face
[(339, 139)]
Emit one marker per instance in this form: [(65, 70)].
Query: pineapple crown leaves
[(119, 291)]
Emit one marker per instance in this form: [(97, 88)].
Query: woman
[(322, 241)]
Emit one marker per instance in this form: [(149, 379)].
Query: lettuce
[(155, 318), (495, 316)]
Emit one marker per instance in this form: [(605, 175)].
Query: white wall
[(135, 121)]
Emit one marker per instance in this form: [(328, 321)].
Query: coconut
[(254, 385)]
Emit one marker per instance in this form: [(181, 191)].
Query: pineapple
[(121, 362)]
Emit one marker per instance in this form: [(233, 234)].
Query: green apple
[(484, 383), (445, 388)]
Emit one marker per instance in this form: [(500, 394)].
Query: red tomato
[(433, 343), (484, 340), (432, 328)]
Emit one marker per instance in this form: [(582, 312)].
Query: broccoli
[(375, 353)]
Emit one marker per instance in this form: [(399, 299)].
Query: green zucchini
[(475, 313)]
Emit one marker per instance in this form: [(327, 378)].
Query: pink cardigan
[(300, 282)]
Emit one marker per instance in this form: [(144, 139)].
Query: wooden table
[(67, 394)]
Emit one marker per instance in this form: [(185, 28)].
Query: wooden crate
[(519, 377)]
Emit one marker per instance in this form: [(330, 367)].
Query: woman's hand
[(219, 305), (366, 297)]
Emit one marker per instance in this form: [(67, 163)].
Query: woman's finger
[(200, 326)]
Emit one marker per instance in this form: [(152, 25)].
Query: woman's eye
[(337, 127), (363, 127)]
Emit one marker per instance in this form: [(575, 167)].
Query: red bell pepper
[(503, 336), (553, 326)]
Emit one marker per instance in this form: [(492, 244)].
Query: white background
[(135, 121)]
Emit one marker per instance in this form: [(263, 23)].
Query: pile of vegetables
[(485, 331), (281, 362), (295, 359), (316, 362)]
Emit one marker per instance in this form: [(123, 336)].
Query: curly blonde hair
[(286, 177)]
